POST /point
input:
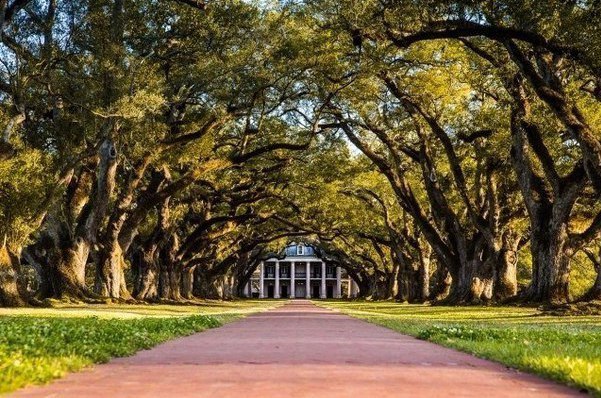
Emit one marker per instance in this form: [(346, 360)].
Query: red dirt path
[(299, 350)]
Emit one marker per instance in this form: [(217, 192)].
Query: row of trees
[(483, 119), (436, 151), (143, 136)]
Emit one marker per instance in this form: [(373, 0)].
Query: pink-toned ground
[(299, 350)]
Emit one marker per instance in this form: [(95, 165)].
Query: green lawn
[(566, 349), (40, 344)]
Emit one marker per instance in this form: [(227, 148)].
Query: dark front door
[(315, 289), (270, 290), (284, 291), (330, 291)]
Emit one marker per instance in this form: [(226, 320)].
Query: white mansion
[(299, 272)]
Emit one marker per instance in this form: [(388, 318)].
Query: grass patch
[(41, 344), (565, 349), (128, 311)]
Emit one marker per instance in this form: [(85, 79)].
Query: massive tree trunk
[(110, 257), (472, 281), (481, 290), (150, 274), (550, 263), (414, 276), (549, 200), (241, 285), (228, 283), (364, 284), (442, 283), (73, 237), (110, 271), (67, 258), (393, 281), (206, 284), (423, 291), (403, 285), (69, 276), (164, 288), (243, 272), (146, 281), (506, 260), (465, 287), (188, 283), (170, 270), (36, 257), (10, 293), (407, 278)]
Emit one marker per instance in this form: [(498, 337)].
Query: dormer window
[(300, 250)]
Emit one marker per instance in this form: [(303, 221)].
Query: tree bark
[(110, 257), (69, 276), (442, 284), (550, 264), (188, 283), (549, 201), (36, 256), (146, 267), (170, 277), (110, 266), (71, 244), (206, 285), (423, 290), (10, 294), (506, 284)]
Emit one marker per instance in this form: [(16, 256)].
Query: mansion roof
[(297, 250)]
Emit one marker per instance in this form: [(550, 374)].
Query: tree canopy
[(437, 151)]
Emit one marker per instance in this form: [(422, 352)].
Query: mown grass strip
[(37, 350), (564, 349)]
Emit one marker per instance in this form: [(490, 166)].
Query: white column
[(277, 280), (348, 287), (338, 282), (262, 280), (247, 291), (292, 280), (323, 280), (308, 281)]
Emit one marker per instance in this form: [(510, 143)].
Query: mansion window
[(330, 271), (284, 271), (270, 271), (315, 271), (300, 270)]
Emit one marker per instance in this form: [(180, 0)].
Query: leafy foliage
[(436, 151)]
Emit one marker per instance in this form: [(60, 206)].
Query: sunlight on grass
[(566, 349), (205, 307), (41, 344)]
